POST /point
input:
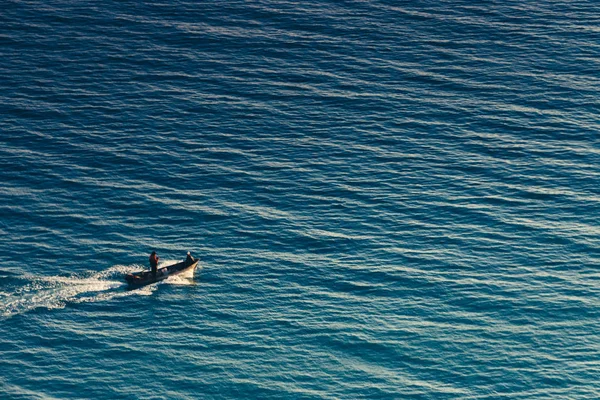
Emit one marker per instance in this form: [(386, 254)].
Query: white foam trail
[(179, 280), (56, 291)]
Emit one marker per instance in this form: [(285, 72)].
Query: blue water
[(390, 200)]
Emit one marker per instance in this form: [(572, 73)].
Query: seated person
[(189, 260)]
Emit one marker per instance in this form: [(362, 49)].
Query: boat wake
[(186, 278), (179, 280), (56, 291)]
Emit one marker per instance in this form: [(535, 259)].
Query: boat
[(139, 279)]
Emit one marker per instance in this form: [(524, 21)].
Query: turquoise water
[(389, 199)]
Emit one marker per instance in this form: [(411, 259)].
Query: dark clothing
[(153, 264), (189, 260)]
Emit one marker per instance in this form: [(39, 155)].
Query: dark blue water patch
[(389, 200)]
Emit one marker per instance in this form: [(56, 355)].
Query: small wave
[(179, 280), (5, 274)]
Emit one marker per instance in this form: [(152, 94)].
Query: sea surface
[(389, 199)]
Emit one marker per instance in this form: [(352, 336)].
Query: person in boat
[(189, 260), (153, 263)]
